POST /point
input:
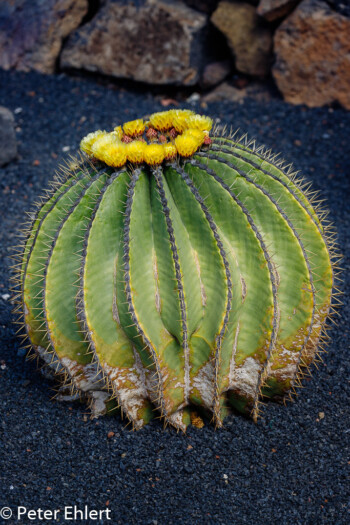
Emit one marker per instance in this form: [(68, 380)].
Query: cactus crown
[(164, 135), (176, 271)]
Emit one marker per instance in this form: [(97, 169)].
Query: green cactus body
[(196, 277)]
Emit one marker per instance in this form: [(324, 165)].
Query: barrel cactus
[(175, 270)]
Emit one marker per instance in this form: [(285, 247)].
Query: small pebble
[(194, 98)]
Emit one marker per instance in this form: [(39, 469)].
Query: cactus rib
[(157, 395), (184, 329), (271, 270), (313, 258), (264, 371), (223, 327)]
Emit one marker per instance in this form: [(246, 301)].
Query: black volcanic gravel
[(290, 469)]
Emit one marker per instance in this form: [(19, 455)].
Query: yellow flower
[(180, 119), (186, 145), (118, 132), (169, 151), (200, 122), (135, 151), (134, 127), (162, 121), (88, 141), (110, 150), (197, 134), (154, 154)]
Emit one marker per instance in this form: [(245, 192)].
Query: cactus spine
[(176, 269)]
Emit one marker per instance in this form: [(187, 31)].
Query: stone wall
[(303, 45)]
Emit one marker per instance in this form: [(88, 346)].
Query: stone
[(312, 48), (153, 41), (214, 73), (8, 143), (226, 92), (248, 36), (32, 31), (272, 10)]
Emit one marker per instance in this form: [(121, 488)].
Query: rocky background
[(221, 49)]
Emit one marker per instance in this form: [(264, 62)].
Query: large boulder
[(8, 144), (32, 31), (312, 49), (274, 9), (158, 42), (248, 36)]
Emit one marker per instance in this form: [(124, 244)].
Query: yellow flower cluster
[(180, 131), (180, 119)]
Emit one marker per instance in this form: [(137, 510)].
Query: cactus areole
[(175, 271)]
